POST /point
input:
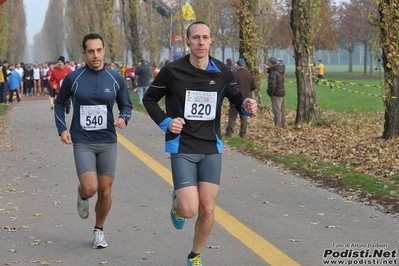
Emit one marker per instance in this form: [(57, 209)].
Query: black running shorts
[(189, 169)]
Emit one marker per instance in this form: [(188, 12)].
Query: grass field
[(351, 92), (335, 98)]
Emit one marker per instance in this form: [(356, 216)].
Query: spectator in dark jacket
[(144, 73), (28, 80), (247, 83), (276, 90), (3, 81)]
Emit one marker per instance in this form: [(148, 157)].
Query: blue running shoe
[(196, 261), (178, 221)]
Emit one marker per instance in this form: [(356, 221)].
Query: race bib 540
[(93, 117)]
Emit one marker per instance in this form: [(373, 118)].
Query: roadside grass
[(3, 108), (326, 174)]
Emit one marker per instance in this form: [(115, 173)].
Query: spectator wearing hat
[(56, 79), (276, 90), (247, 83)]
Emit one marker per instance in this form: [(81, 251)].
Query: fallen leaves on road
[(213, 247), (11, 262), (44, 262), (333, 226)]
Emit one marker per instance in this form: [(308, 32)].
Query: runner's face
[(199, 40), (60, 64), (94, 54)]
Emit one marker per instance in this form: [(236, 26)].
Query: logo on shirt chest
[(106, 90)]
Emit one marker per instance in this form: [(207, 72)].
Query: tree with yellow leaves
[(304, 21)]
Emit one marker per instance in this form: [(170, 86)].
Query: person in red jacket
[(57, 76), (130, 73)]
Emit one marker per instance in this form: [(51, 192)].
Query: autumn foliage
[(351, 142)]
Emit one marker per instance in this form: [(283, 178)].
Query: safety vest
[(1, 74), (154, 73)]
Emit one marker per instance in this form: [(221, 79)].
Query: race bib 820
[(200, 105)]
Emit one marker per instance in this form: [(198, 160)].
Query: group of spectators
[(275, 89), (138, 77), (31, 79)]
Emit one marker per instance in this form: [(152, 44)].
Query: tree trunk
[(388, 23), (248, 48), (223, 49), (350, 52), (391, 125), (308, 109), (365, 59), (391, 102), (132, 32), (371, 64)]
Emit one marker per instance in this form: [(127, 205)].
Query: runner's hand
[(120, 123), (250, 106), (66, 137), (176, 125)]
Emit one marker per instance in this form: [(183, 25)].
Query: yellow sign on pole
[(186, 13)]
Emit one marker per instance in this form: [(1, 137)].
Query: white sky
[(35, 13)]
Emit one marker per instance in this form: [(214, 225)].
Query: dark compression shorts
[(99, 158), (189, 169)]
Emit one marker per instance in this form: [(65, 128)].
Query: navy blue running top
[(93, 96)]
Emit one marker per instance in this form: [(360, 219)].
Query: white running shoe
[(83, 207), (98, 239)]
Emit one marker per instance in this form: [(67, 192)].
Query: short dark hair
[(91, 36), (195, 23), (272, 60)]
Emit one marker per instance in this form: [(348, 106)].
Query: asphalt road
[(263, 217)]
